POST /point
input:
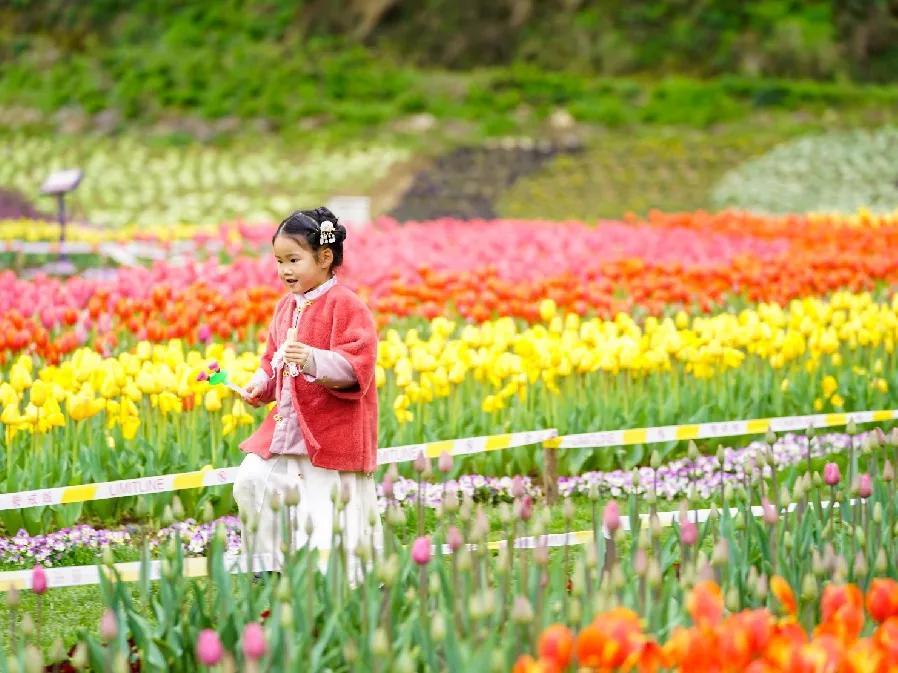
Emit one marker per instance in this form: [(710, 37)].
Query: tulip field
[(486, 328)]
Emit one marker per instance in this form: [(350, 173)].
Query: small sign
[(351, 210), (60, 182)]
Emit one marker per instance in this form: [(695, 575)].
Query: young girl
[(321, 435)]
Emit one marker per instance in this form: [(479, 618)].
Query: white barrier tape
[(463, 447), (64, 495), (669, 433), (197, 566)]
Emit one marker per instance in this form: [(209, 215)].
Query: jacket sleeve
[(354, 337)]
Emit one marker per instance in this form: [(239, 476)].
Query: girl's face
[(297, 266)]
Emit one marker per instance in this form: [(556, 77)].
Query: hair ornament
[(327, 233)]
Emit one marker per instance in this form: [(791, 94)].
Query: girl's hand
[(297, 352), (254, 396)]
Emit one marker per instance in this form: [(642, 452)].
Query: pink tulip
[(864, 486), (202, 376), (517, 486), (444, 464), (213, 366), (454, 539), (420, 463), (831, 474), (688, 533), (524, 508), (387, 486), (254, 645), (770, 514), (208, 648), (38, 580), (204, 333), (108, 625), (421, 550), (611, 516)]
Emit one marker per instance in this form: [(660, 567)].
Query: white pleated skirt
[(258, 479)]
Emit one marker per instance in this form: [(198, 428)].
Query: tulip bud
[(464, 560), (421, 550), (635, 479), (517, 487), (568, 510), (888, 472), (57, 650), (860, 566), (831, 474), (732, 599), (881, 564), (760, 589), (421, 461), (657, 530), (738, 524), (380, 644), (809, 590), (108, 626), (617, 577), (817, 565), (208, 512), (851, 428), (167, 517), (593, 492), (692, 451), (770, 514), (286, 615), (34, 660), (688, 533), (877, 513), (728, 492), (521, 611), (79, 657), (865, 486), (640, 562), (713, 514), (541, 555), (644, 541), (575, 612), (12, 598), (450, 502), (653, 574), (27, 627), (788, 542), (655, 460), (291, 496), (610, 516), (721, 455), (444, 463), (770, 437), (438, 627), (720, 556), (177, 508), (107, 557), (350, 652), (816, 480), (404, 662)]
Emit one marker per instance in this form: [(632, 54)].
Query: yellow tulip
[(39, 393), (837, 401), (212, 401), (829, 386)]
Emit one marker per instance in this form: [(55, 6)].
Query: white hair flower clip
[(327, 233)]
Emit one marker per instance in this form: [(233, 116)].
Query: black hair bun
[(322, 214)]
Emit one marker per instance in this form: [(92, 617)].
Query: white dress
[(258, 479)]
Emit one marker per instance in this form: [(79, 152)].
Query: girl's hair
[(306, 225)]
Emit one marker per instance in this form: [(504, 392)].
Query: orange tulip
[(882, 599), (705, 604), (886, 638), (842, 612), (527, 664), (784, 594), (556, 643)]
